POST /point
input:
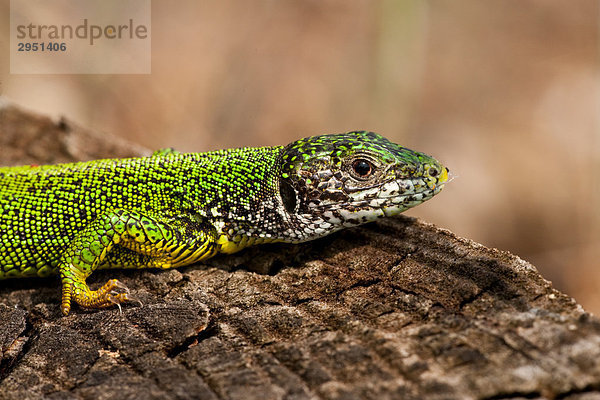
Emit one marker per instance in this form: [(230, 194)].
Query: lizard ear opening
[(288, 196)]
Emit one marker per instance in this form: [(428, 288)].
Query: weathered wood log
[(397, 309)]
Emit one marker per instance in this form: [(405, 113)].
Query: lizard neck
[(237, 192)]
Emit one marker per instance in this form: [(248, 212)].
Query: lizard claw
[(120, 285), (137, 301), (118, 298)]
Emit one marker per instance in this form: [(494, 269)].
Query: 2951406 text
[(41, 46)]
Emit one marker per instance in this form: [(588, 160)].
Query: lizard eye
[(362, 168), (433, 172)]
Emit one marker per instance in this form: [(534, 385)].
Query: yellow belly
[(227, 246)]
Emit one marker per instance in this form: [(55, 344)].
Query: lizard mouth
[(397, 191), (337, 207), (359, 211)]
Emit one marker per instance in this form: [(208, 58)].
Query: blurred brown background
[(505, 92)]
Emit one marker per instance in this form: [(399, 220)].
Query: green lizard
[(173, 209)]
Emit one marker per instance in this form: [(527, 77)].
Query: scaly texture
[(173, 209)]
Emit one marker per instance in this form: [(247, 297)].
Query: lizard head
[(333, 181)]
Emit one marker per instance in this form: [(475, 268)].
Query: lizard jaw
[(325, 219), (362, 211)]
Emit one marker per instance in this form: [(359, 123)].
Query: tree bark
[(396, 309)]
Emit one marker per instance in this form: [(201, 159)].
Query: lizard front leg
[(168, 244)]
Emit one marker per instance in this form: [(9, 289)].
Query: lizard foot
[(111, 293)]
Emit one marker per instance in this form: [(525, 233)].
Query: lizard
[(172, 209)]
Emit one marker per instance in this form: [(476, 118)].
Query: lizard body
[(173, 209)]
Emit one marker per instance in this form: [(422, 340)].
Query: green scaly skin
[(174, 209)]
